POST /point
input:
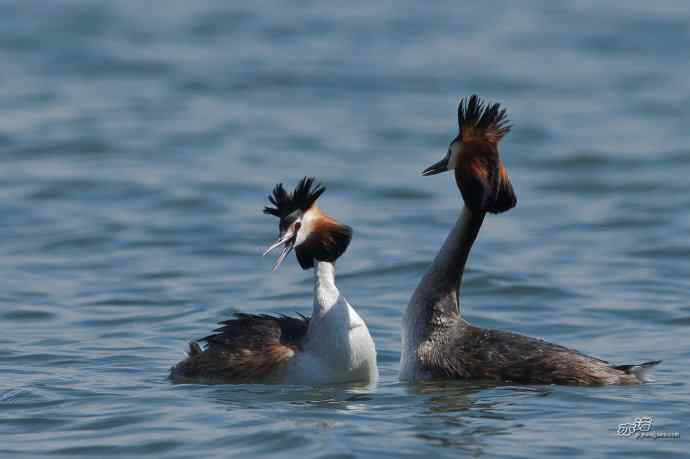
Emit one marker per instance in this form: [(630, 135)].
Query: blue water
[(138, 141)]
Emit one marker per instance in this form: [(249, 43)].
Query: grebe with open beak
[(333, 345), (436, 341)]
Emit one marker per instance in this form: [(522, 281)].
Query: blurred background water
[(138, 142)]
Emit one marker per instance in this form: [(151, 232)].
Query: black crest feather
[(302, 198), (482, 121)]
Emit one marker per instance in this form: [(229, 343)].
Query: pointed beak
[(437, 168), (288, 239)]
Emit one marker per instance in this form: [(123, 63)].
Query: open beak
[(288, 239), (437, 168)]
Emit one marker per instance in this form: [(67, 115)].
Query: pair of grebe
[(334, 344)]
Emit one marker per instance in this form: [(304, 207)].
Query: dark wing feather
[(256, 331), (247, 348), (477, 353)]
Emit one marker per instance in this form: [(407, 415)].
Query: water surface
[(138, 143)]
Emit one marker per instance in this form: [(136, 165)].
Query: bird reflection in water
[(457, 415)]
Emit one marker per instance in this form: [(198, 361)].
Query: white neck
[(325, 292), (338, 346)]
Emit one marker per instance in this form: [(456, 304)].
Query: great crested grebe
[(332, 346), (436, 341)]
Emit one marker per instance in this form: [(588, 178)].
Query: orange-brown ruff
[(333, 345), (436, 341)]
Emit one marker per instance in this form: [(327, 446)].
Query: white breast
[(338, 347)]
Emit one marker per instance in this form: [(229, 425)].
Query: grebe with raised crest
[(331, 346), (437, 342)]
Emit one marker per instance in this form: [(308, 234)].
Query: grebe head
[(473, 155), (304, 227)]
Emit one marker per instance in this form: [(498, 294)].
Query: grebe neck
[(449, 264), (437, 295), (325, 292)]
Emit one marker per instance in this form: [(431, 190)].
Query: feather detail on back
[(248, 348), (483, 354)]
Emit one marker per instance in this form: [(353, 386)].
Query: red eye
[(298, 225)]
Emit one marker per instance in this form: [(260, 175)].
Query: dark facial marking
[(482, 179), (327, 242)]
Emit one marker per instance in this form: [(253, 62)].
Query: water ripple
[(138, 150)]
